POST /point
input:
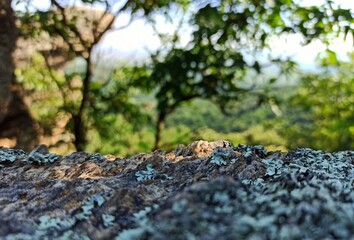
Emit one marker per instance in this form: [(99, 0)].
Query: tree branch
[(72, 29)]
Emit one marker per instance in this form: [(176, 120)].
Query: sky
[(136, 41)]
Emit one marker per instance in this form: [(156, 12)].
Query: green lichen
[(39, 158), (306, 194), (10, 155), (51, 228), (89, 205), (108, 220), (61, 228), (47, 222), (164, 177), (135, 233), (275, 167), (221, 156), (97, 157), (247, 151), (148, 174), (142, 223)]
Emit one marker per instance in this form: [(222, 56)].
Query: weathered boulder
[(206, 190)]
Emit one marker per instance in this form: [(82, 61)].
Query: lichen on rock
[(206, 190)]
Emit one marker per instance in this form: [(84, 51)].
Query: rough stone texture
[(206, 190)]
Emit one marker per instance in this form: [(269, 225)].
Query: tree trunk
[(7, 46), (79, 118), (158, 129), (16, 123)]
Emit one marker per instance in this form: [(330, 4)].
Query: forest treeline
[(62, 88)]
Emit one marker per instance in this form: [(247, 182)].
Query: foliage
[(228, 47), (76, 32), (322, 112), (115, 130), (114, 115), (224, 34), (51, 97), (200, 113), (115, 97)]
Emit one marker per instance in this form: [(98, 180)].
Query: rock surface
[(206, 190)]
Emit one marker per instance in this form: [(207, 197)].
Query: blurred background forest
[(279, 73)]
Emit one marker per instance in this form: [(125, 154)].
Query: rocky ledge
[(206, 190)]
